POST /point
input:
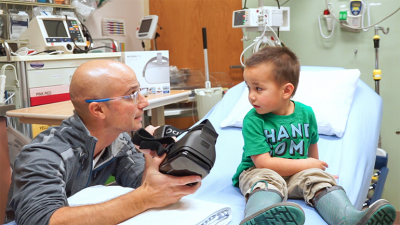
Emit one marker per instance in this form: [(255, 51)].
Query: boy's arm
[(313, 151), (286, 167)]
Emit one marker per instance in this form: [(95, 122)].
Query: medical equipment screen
[(239, 18), (145, 26), (73, 28), (55, 28)]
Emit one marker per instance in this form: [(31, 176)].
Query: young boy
[(280, 158)]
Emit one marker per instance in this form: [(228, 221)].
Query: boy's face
[(264, 93)]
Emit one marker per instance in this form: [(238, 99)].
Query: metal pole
[(377, 68), (25, 100), (377, 73), (155, 44), (208, 84)]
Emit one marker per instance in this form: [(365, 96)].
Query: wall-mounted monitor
[(147, 27)]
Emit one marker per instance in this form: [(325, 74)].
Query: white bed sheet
[(351, 157)]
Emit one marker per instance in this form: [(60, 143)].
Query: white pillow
[(329, 93)]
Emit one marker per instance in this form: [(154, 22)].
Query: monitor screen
[(145, 26), (55, 28), (239, 18)]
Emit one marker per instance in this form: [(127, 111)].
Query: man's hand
[(148, 154), (162, 189), (151, 129), (314, 163)]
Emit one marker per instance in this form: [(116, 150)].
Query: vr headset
[(193, 154)]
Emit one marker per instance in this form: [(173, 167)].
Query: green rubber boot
[(266, 207), (335, 207)]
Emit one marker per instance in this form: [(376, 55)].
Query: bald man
[(86, 149)]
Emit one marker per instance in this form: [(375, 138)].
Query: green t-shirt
[(287, 136)]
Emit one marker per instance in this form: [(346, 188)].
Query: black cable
[(105, 47), (245, 2), (144, 49), (88, 36), (66, 20), (58, 24)]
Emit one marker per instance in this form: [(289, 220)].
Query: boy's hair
[(286, 63)]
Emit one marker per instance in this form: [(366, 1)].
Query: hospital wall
[(305, 40), (131, 11)]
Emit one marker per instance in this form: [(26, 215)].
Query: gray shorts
[(303, 184)]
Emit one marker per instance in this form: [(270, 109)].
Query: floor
[(397, 221)]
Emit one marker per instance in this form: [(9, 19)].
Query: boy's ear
[(288, 89)]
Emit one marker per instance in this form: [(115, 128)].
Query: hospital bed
[(351, 157)]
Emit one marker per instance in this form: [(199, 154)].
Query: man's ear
[(97, 109), (288, 89)]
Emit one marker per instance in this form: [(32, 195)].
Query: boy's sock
[(335, 207), (265, 205)]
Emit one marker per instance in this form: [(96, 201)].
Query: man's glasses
[(133, 96)]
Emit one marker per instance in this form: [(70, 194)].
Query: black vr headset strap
[(146, 141), (154, 146), (167, 131)]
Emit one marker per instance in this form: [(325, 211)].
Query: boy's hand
[(315, 163)]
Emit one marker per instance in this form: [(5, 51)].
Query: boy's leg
[(335, 207), (306, 183), (318, 188), (252, 175), (264, 200)]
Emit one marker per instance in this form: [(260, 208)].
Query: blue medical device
[(356, 7)]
